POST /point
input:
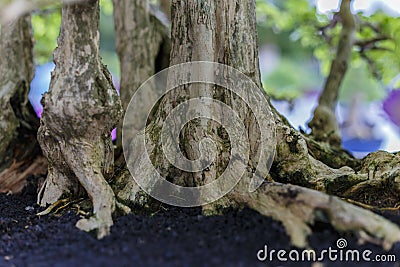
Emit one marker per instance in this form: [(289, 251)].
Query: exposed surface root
[(88, 170), (298, 208), (332, 156), (375, 180)]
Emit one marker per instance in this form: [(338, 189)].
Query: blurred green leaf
[(46, 28), (106, 7), (296, 28)]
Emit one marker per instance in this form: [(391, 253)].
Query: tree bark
[(217, 32), (225, 32), (80, 110), (324, 125), (143, 46), (19, 150)]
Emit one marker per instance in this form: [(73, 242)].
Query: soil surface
[(170, 237)]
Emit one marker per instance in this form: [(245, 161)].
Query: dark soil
[(170, 237)]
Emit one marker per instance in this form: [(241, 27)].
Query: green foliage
[(293, 27), (46, 28), (297, 28), (383, 56), (359, 79), (291, 79), (106, 7), (298, 18), (107, 37)]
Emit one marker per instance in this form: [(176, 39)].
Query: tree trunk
[(143, 46), (80, 110), (225, 32), (82, 107), (216, 32), (19, 150), (324, 125)]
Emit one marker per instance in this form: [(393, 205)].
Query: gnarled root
[(375, 180), (86, 161), (298, 208)]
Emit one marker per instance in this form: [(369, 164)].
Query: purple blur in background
[(391, 106)]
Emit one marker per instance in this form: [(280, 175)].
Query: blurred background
[(296, 49)]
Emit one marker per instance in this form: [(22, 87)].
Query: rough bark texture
[(301, 160), (10, 10), (19, 150), (82, 107), (374, 180), (143, 45), (324, 125), (225, 32), (218, 32), (299, 208), (80, 110)]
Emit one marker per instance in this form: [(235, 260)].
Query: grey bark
[(80, 110), (11, 10), (225, 32), (324, 125), (18, 121), (220, 31), (143, 46)]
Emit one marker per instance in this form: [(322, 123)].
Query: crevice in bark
[(20, 154), (324, 125)]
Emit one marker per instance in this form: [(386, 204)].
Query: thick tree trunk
[(19, 150), (324, 125), (80, 110), (225, 32), (82, 107), (217, 32)]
